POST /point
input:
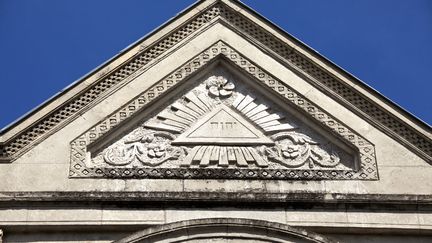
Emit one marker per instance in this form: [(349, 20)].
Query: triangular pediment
[(158, 71), (222, 121)]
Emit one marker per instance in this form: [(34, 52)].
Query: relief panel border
[(367, 162)]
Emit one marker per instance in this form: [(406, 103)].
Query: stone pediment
[(222, 122), (315, 69)]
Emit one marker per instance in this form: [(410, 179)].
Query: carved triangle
[(223, 126)]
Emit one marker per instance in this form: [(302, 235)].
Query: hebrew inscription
[(223, 126)]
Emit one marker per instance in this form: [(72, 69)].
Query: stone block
[(71, 216), (132, 216), (273, 215)]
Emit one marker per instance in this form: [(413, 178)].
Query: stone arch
[(224, 230)]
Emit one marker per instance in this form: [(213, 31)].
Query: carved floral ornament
[(222, 128), (150, 149), (219, 86)]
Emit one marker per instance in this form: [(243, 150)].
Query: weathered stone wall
[(45, 168)]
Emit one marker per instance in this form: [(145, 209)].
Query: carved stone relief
[(223, 124), (222, 127)]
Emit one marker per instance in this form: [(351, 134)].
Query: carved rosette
[(219, 86)]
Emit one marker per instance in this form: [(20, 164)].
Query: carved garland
[(367, 170), (111, 78)]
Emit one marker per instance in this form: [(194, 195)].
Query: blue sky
[(47, 44)]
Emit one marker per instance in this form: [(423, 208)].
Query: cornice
[(422, 202), (297, 58)]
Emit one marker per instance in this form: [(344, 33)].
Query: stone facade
[(217, 127)]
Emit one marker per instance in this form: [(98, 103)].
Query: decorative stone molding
[(296, 199), (319, 77), (215, 229), (272, 145)]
